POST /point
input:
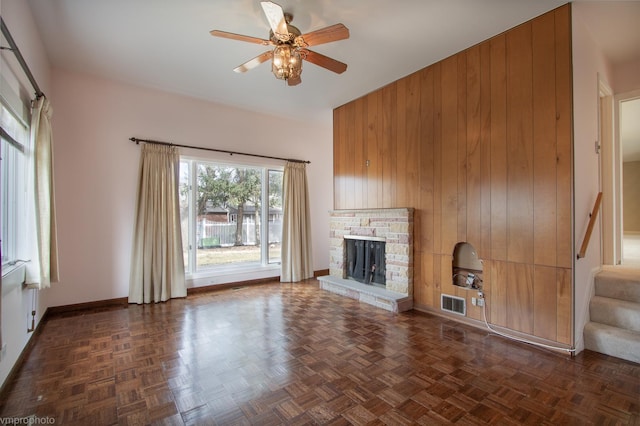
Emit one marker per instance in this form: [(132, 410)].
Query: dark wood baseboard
[(87, 306), (320, 273), (123, 302)]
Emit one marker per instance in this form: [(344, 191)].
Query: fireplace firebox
[(365, 259)]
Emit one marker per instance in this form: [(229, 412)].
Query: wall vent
[(456, 305)]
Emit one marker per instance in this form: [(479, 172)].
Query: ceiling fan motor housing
[(293, 33)]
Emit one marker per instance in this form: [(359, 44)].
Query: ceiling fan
[(291, 46)]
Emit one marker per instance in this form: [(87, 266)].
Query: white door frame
[(606, 144), (618, 164)]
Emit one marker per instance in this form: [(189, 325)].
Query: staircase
[(615, 314)]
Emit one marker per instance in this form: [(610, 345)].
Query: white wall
[(588, 63), (97, 166), (627, 76), (631, 196), (17, 302)]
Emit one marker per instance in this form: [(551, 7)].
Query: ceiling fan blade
[(326, 35), (326, 62), (294, 81), (232, 36), (252, 63), (275, 16)]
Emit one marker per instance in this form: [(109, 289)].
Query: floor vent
[(456, 305)]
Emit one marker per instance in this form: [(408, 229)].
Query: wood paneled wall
[(480, 145)]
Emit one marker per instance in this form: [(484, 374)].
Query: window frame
[(192, 272), (14, 132)]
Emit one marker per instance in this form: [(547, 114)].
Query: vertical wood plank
[(344, 160), (426, 204), (564, 136), (498, 148), (474, 149), (498, 297), (446, 281), (426, 296), (487, 288), (449, 170), (437, 283), (389, 145), (412, 134), (437, 158), (374, 129), (544, 136), (401, 144), (484, 251), (419, 282), (462, 147), (349, 156), (520, 146), (360, 187), (520, 297), (338, 145), (544, 302), (565, 306)]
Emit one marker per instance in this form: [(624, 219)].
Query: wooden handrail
[(592, 222)]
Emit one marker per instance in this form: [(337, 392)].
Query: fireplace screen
[(365, 261)]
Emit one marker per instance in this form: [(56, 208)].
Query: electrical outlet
[(480, 302)]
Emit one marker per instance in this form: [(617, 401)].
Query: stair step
[(612, 341), (620, 283), (615, 312)]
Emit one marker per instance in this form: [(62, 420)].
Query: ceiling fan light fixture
[(287, 62)]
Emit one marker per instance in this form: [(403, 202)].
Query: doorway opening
[(619, 131), (629, 139)]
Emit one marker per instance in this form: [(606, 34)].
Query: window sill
[(231, 274), (12, 277)]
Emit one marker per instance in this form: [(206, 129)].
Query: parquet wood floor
[(293, 354)]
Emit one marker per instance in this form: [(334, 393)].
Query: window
[(13, 137), (231, 215)]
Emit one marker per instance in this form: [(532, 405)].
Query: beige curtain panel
[(157, 265), (43, 268), (297, 261)]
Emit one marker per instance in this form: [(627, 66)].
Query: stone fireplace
[(394, 227)]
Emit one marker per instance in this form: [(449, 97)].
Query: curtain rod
[(137, 141), (14, 48)]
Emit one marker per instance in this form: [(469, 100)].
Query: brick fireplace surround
[(395, 226)]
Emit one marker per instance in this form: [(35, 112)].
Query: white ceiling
[(165, 44)]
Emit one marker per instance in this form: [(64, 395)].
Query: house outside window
[(231, 215)]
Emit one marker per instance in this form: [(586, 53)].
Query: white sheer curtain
[(157, 265), (43, 241), (297, 261)]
